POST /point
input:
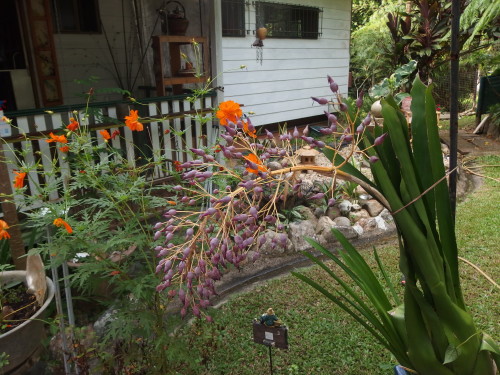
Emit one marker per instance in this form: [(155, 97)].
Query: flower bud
[(343, 107), (379, 140), (321, 101), (317, 196), (197, 151), (367, 120), (331, 202), (373, 159), (360, 128), (334, 87), (295, 133), (326, 131), (269, 135)]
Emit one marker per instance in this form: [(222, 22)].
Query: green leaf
[(451, 354)]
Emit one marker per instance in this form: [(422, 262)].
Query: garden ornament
[(270, 319), (261, 35)]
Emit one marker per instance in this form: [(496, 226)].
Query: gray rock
[(106, 318), (355, 207), (386, 215), (345, 207), (342, 221), (319, 212), (274, 165), (306, 212), (324, 231), (299, 231), (272, 246), (348, 232), (333, 212), (373, 207), (358, 228), (357, 215)]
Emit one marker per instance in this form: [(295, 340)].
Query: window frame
[(77, 5), (296, 14), (240, 22)]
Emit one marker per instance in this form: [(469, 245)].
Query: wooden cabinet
[(175, 80)]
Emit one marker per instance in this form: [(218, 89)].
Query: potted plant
[(431, 330), (22, 337)]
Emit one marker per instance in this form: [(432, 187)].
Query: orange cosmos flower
[(105, 134), (19, 180), (228, 111), (177, 166), (61, 223), (255, 159), (56, 138), (132, 123), (3, 230), (171, 203), (64, 149), (73, 125), (252, 134)]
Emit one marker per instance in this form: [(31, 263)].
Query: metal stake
[(271, 359)]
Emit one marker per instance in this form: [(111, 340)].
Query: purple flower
[(379, 140), (208, 212), (269, 135), (295, 133), (321, 101), (306, 130), (317, 196), (348, 138), (177, 188), (326, 131), (359, 100), (343, 107), (197, 151), (360, 128), (227, 138), (367, 120), (331, 202), (333, 86), (319, 144), (373, 159)]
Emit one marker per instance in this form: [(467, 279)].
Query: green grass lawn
[(322, 338)]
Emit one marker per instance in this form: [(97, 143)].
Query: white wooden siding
[(292, 70)]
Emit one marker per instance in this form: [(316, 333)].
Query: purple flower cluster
[(195, 246)]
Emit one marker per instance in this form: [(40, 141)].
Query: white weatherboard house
[(53, 51)]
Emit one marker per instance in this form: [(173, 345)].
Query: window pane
[(233, 17), (88, 13), (67, 16), (288, 21)]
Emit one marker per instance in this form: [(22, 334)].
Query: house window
[(233, 18), (288, 21), (76, 16)]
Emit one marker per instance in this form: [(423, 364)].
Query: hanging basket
[(176, 19)]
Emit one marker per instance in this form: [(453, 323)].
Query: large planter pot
[(23, 343)]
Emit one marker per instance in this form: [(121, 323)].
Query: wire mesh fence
[(467, 92)]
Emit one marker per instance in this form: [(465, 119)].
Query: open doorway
[(16, 89)]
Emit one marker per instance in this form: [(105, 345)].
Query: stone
[(333, 212), (273, 248), (357, 215), (349, 232), (274, 165), (342, 221), (319, 212), (306, 213), (373, 207), (345, 207), (386, 215), (299, 231), (324, 231), (355, 207), (358, 228)]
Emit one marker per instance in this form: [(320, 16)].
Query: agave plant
[(431, 332)]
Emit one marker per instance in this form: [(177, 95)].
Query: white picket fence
[(158, 140)]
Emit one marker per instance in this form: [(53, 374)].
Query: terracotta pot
[(23, 343), (261, 33)]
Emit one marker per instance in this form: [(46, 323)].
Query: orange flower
[(228, 111), (19, 180), (252, 134), (105, 134), (56, 138), (114, 273), (171, 203), (61, 223), (132, 123), (177, 166), (73, 125), (3, 231), (64, 149), (255, 159)]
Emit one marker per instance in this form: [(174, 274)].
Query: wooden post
[(10, 215)]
